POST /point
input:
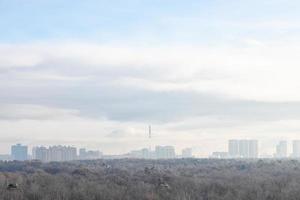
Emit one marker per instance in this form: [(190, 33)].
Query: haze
[(97, 73)]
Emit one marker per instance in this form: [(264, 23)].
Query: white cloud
[(18, 56), (34, 112), (265, 72), (117, 89)]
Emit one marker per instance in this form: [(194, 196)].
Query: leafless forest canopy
[(129, 179)]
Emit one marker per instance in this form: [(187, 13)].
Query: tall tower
[(281, 149), (150, 132)]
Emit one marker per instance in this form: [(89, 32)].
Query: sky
[(95, 74)]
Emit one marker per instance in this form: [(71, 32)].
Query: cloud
[(34, 112), (109, 93), (233, 71), (199, 74), (139, 83), (17, 56), (254, 72)]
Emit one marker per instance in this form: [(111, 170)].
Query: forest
[(138, 179)]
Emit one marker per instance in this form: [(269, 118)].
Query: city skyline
[(149, 99), (96, 73), (235, 149), (199, 149)]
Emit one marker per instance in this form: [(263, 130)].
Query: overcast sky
[(95, 73)]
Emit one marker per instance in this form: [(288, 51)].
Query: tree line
[(138, 179)]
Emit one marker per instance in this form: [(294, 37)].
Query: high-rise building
[(164, 152), (19, 152), (40, 153), (233, 148), (243, 148), (296, 149), (54, 153), (281, 149), (82, 153), (62, 153), (253, 149), (89, 155), (187, 153), (146, 153)]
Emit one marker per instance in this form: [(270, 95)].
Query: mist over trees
[(132, 179)]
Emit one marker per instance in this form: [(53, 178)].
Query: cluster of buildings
[(243, 148), (239, 149), (61, 153), (160, 152), (282, 149), (52, 153), (249, 149), (89, 155)]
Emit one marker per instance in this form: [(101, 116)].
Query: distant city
[(237, 149), (61, 153), (249, 149)]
